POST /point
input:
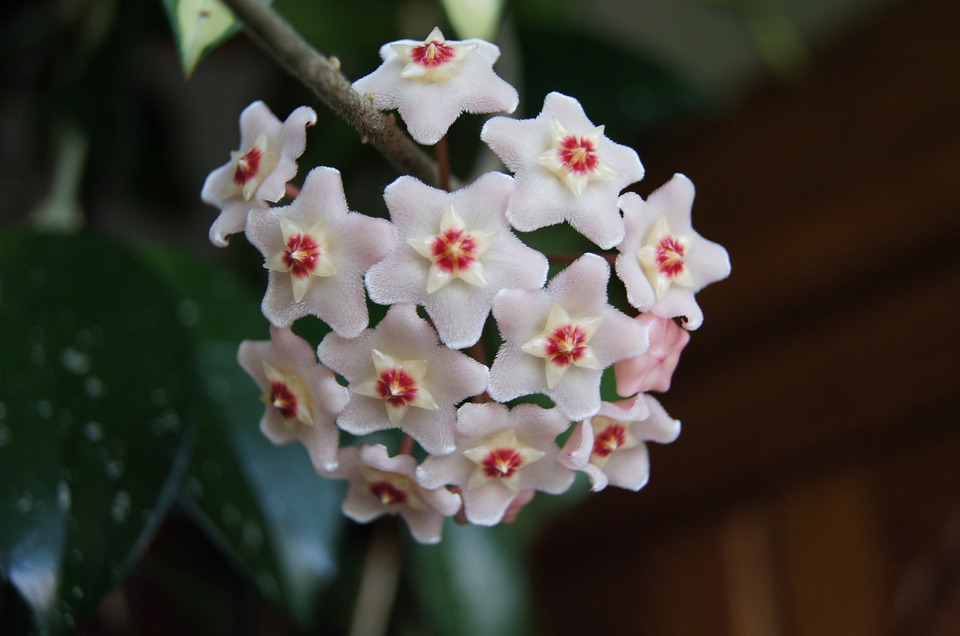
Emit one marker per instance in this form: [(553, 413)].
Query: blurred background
[(815, 488)]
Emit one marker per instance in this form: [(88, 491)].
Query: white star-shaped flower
[(502, 455), (257, 174), (663, 262), (302, 397), (609, 447), (432, 82), (558, 340), (317, 252), (380, 484), (566, 170), (455, 252), (398, 365)]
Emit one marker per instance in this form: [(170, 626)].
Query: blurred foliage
[(264, 505), (775, 36), (632, 96), (471, 584)]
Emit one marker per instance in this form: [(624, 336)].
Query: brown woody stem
[(324, 78)]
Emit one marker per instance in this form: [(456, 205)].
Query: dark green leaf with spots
[(264, 504), (97, 380)]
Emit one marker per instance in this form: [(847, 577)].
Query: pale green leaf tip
[(474, 18), (200, 23)]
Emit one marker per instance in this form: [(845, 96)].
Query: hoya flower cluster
[(457, 280)]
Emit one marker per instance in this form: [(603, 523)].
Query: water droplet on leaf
[(93, 387), (158, 397), (188, 313), (167, 423), (64, 497), (37, 355), (44, 408), (75, 361), (114, 469), (120, 507), (93, 431), (252, 536), (195, 488), (25, 503)]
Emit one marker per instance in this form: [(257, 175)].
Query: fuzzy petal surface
[(428, 108), (542, 198), (481, 425), (458, 309), (640, 419), (353, 243), (370, 471), (450, 378), (576, 452), (278, 147), (703, 262), (323, 400), (581, 290)]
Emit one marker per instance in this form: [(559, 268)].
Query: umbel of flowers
[(445, 263)]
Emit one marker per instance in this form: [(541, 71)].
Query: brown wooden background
[(815, 489)]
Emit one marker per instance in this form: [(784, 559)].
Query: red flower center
[(502, 463), (387, 493), (247, 166), (609, 440), (397, 387), (283, 399), (454, 250), (670, 256), (566, 345), (301, 255), (578, 154), (432, 54)]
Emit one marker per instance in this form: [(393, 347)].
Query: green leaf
[(96, 392), (472, 583), (211, 300), (265, 505), (199, 26)]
